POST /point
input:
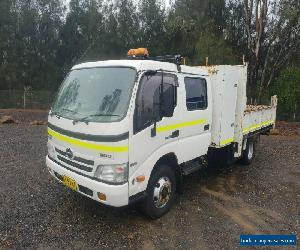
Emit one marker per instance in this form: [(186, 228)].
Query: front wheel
[(160, 192), (249, 152)]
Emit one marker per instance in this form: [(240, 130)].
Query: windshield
[(95, 94)]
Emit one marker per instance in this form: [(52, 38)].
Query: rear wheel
[(160, 192), (249, 152)]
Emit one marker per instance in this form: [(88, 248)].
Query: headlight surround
[(51, 150), (113, 174)]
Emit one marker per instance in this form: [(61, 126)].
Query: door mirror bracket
[(153, 130)]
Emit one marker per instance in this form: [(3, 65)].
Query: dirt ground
[(217, 205)]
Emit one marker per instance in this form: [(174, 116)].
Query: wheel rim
[(250, 150), (162, 192)]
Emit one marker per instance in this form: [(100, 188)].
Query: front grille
[(76, 158), (74, 164)]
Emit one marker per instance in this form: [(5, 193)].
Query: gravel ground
[(217, 205), (25, 116)]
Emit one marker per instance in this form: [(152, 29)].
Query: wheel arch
[(170, 159), (151, 164)]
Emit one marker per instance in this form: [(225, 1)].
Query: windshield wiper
[(84, 119), (58, 115), (100, 114), (69, 110)]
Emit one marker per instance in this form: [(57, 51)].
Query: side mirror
[(163, 104), (168, 100)]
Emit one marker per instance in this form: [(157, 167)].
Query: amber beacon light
[(138, 52)]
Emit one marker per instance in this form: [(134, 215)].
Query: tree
[(47, 71), (187, 23), (29, 54), (287, 87), (272, 34), (234, 31), (40, 41), (6, 38), (81, 32), (200, 12), (214, 47), (152, 25), (128, 28)]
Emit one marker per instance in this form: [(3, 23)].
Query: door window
[(196, 93), (149, 98)]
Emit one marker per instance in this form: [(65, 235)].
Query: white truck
[(126, 131)]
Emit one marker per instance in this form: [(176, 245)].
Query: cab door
[(195, 134), (156, 90)]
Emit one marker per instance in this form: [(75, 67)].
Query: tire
[(249, 153), (161, 191)]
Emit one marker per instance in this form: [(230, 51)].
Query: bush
[(287, 88)]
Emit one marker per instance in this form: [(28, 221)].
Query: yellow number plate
[(69, 182)]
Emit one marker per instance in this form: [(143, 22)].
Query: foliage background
[(40, 40)]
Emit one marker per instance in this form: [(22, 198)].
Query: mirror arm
[(161, 93), (153, 130)]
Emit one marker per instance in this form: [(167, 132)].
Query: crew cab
[(126, 131)]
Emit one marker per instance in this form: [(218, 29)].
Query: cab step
[(193, 166)]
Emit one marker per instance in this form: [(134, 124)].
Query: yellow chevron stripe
[(257, 126), (227, 141), (180, 125), (87, 145)]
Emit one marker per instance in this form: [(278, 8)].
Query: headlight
[(112, 173), (51, 150)]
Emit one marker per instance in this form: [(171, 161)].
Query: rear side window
[(196, 93)]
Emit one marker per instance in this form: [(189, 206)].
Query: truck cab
[(126, 131)]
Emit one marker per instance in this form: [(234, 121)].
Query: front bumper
[(116, 195)]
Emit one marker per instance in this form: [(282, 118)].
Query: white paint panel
[(224, 81)]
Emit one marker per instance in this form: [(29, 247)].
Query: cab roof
[(143, 65)]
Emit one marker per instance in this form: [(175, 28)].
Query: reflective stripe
[(227, 141), (87, 144), (257, 126), (180, 125), (88, 137), (246, 130)]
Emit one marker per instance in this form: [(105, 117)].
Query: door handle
[(175, 134), (206, 127)]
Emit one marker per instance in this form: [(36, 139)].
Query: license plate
[(69, 182)]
